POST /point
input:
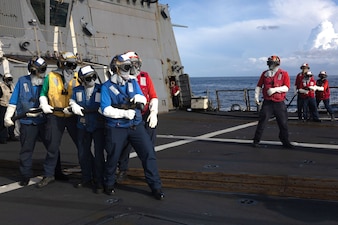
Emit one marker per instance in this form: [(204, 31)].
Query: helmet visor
[(71, 65), (270, 63), (125, 67), (90, 77), (38, 70)]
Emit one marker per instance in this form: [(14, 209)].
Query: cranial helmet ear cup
[(31, 61), (114, 69), (113, 66)]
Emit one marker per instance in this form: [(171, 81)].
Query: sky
[(235, 37)]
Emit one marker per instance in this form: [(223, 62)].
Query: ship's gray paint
[(96, 30)]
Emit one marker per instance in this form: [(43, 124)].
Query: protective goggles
[(9, 79), (136, 64), (71, 65), (90, 78), (125, 67), (270, 63), (36, 70)]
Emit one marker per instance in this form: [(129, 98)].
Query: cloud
[(235, 37), (264, 27), (323, 37)]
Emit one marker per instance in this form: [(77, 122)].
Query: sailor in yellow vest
[(6, 89), (54, 101)]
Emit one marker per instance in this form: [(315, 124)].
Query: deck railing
[(244, 100)]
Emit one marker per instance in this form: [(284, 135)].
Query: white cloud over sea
[(235, 37)]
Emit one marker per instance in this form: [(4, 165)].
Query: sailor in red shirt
[(323, 93), (149, 112), (175, 91), (304, 67), (307, 93), (274, 83)]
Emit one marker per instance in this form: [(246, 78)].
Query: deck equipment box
[(200, 102)]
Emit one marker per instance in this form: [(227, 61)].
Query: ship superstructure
[(95, 30)]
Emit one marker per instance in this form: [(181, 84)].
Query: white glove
[(30, 113), (129, 113), (46, 108), (320, 88), (177, 92), (8, 122), (153, 108), (153, 105), (303, 91), (67, 110), (271, 91), (316, 88), (257, 92), (76, 108), (152, 119), (119, 113), (139, 98), (280, 89)]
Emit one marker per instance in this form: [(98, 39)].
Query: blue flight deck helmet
[(120, 63)]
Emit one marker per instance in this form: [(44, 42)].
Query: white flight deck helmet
[(8, 78), (67, 60), (136, 63), (87, 76), (305, 66), (322, 75)]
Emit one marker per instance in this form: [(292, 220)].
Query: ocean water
[(233, 94)]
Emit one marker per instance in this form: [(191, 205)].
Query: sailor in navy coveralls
[(121, 104)]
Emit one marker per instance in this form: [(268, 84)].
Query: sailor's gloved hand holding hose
[(76, 108), (67, 110), (116, 113), (46, 108), (139, 99)]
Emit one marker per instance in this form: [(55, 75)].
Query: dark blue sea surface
[(200, 85), (207, 86)]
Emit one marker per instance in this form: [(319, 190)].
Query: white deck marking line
[(189, 139), (240, 141), (14, 186)]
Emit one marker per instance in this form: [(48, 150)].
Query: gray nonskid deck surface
[(61, 203)]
